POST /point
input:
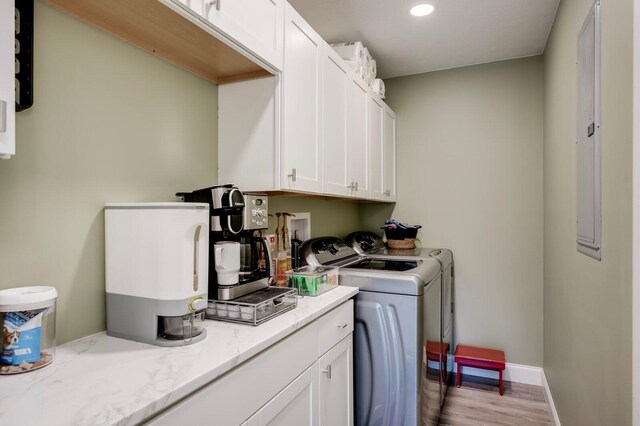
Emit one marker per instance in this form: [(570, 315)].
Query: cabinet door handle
[(343, 325), (356, 186), (216, 2), (387, 193), (351, 187), (292, 176), (327, 371), (3, 116)]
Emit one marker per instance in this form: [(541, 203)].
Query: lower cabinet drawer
[(335, 326), (233, 398)]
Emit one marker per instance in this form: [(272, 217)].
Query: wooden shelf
[(156, 28)]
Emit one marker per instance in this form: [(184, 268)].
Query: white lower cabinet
[(336, 384), (284, 385), (296, 405)]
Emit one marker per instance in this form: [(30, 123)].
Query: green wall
[(469, 155), (328, 217), (587, 304)]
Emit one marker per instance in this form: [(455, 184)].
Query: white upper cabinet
[(7, 80), (377, 146), (389, 154), (254, 24), (302, 154), (357, 107), (334, 123), (315, 128)]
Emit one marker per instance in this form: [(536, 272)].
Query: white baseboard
[(513, 373), (549, 398)]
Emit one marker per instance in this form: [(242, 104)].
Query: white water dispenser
[(156, 262)]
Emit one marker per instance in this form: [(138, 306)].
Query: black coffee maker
[(243, 218)]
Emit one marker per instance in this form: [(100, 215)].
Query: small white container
[(28, 316), (222, 310), (234, 311), (247, 312)]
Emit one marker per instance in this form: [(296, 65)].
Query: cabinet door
[(336, 384), (389, 154), (334, 123), (254, 24), (302, 155), (296, 405), (7, 79), (357, 106), (376, 142)]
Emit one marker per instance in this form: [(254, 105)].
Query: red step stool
[(488, 359), (432, 349)]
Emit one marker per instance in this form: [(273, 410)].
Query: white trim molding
[(518, 373), (549, 398)]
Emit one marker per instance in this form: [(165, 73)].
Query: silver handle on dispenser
[(196, 255), (3, 116), (327, 371), (292, 175)]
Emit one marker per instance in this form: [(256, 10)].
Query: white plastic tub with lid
[(28, 316)]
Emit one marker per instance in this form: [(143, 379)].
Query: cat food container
[(28, 317)]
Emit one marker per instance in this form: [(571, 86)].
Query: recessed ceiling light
[(422, 9)]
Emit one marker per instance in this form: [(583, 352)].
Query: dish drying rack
[(254, 308)]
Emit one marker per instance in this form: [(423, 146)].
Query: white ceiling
[(458, 33)]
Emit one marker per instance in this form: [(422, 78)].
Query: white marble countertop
[(102, 380)]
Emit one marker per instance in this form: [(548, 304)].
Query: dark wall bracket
[(24, 54)]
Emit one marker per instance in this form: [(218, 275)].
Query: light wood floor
[(478, 402)]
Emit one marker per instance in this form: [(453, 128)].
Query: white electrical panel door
[(7, 80), (334, 123), (588, 139), (301, 145)]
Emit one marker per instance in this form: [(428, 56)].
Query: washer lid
[(26, 298), (396, 276)]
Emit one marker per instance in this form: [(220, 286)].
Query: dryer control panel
[(326, 251)]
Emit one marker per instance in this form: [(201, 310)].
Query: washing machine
[(372, 245), (397, 315)]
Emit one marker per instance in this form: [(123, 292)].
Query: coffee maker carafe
[(239, 256)]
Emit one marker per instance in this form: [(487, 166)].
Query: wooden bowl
[(407, 243)]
